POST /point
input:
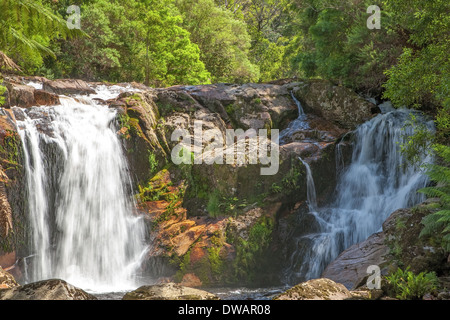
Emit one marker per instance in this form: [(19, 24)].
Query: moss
[(9, 148), (250, 252)]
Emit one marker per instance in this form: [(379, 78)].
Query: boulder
[(407, 248), (334, 103), (53, 289), (68, 87), (44, 98), (169, 291), (7, 281), (350, 267), (20, 95), (316, 289)]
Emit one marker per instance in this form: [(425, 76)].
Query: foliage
[(133, 40), (250, 251), (439, 222), (2, 98), (26, 29), (223, 40), (405, 285), (337, 45)]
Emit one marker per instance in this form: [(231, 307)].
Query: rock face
[(213, 224), (13, 222), (317, 289), (407, 248), (350, 267), (53, 289), (169, 291)]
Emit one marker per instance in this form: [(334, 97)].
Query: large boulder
[(20, 95), (68, 87), (169, 291), (407, 249), (350, 267), (316, 289), (53, 289), (334, 103)]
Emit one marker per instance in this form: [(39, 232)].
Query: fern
[(26, 29), (439, 222)]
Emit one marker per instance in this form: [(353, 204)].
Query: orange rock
[(191, 280)]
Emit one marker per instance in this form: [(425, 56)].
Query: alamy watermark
[(238, 147), (74, 20), (374, 21), (374, 280)]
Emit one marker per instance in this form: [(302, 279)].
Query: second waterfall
[(377, 182)]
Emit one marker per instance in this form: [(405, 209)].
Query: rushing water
[(376, 183), (298, 124), (79, 195)]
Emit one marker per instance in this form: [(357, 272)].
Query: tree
[(223, 40), (132, 40), (26, 28)]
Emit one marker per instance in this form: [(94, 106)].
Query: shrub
[(405, 285)]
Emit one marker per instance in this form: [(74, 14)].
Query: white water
[(296, 125), (375, 184), (79, 199)]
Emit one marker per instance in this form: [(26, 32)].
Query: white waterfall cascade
[(376, 183), (79, 195), (296, 125)]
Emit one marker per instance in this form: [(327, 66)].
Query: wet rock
[(44, 98), (53, 289), (350, 267), (169, 291), (317, 289), (67, 87), (20, 95)]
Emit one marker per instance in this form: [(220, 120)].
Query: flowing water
[(81, 208), (79, 195), (376, 183), (298, 124)]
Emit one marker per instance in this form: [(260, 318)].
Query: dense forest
[(169, 42)]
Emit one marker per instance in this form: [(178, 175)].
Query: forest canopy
[(169, 42)]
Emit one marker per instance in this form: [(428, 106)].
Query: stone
[(168, 291), (7, 281), (316, 289), (191, 280), (20, 95), (68, 87), (334, 103), (350, 267), (44, 98), (53, 289)]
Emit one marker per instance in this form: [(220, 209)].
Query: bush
[(405, 285)]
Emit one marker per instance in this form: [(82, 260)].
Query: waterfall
[(296, 125), (376, 183), (79, 195), (310, 188)]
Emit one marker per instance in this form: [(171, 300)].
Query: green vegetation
[(439, 222), (405, 285), (250, 251)]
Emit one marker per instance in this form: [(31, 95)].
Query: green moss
[(9, 147), (250, 253)]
